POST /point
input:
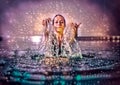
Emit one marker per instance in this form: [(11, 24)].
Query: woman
[(58, 35)]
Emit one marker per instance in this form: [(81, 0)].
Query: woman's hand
[(74, 28), (46, 22)]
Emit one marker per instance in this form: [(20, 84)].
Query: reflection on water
[(99, 66), (104, 49)]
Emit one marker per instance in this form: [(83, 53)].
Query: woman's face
[(59, 22)]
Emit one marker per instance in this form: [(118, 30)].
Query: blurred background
[(21, 27)]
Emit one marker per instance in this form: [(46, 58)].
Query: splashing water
[(35, 65), (66, 49), (32, 68)]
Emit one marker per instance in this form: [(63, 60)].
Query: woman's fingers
[(79, 23), (49, 19), (75, 25), (46, 22), (43, 22)]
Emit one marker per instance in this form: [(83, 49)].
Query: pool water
[(99, 66)]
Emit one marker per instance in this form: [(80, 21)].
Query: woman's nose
[(59, 23)]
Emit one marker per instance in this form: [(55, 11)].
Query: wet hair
[(56, 16)]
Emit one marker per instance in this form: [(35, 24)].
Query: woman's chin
[(59, 29)]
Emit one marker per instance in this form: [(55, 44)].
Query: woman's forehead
[(59, 18)]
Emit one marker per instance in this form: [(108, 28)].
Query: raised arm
[(74, 28), (45, 24)]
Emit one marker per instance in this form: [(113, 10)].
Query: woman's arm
[(74, 28), (45, 24)]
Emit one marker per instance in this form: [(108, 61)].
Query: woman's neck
[(59, 36)]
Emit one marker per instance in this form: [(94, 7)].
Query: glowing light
[(25, 19), (36, 39)]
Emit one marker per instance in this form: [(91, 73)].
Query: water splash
[(66, 49)]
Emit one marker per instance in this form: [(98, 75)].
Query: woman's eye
[(59, 22), (56, 22)]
